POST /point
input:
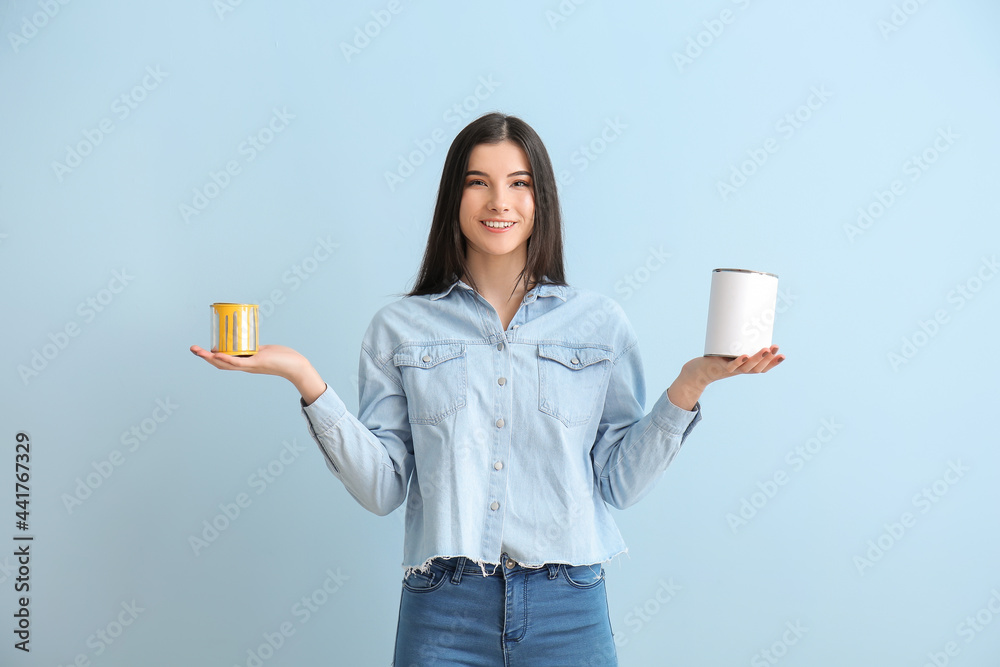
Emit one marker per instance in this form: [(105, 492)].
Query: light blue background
[(850, 302)]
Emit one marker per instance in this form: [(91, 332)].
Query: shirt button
[(426, 358), (494, 506), (502, 381), (574, 360), (498, 465), (510, 564), (500, 423), (499, 347)]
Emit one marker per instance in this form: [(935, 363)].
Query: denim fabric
[(513, 441), (452, 616)]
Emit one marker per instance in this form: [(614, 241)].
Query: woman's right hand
[(271, 360)]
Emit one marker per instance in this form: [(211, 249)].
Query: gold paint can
[(235, 328)]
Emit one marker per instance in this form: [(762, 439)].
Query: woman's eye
[(525, 184), (476, 181)]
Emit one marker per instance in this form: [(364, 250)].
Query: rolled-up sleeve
[(372, 454), (633, 449)]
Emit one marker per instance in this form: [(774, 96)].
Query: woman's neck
[(498, 280)]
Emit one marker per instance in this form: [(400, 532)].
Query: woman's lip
[(498, 230)]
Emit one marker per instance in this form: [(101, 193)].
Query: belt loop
[(553, 570), (456, 577)]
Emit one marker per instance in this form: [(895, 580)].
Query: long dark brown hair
[(444, 257)]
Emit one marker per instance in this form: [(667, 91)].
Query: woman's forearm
[(308, 382), (684, 392)]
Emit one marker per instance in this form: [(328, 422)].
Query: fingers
[(775, 360), (733, 366), (769, 359), (717, 368), (218, 359), (761, 362), (750, 363)]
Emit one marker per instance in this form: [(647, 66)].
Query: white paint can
[(740, 312)]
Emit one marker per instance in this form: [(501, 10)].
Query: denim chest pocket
[(434, 379), (570, 381)]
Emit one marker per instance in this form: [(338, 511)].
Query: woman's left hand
[(700, 372)]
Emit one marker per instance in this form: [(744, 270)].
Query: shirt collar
[(457, 283), (545, 289)]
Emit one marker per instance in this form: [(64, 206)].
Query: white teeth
[(497, 225)]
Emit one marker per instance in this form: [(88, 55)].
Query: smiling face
[(497, 212)]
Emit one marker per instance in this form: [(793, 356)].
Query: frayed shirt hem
[(484, 565), (411, 569)]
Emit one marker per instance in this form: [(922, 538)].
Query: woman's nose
[(498, 202)]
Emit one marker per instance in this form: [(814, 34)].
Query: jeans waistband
[(460, 565)]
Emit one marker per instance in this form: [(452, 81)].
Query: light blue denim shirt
[(511, 441)]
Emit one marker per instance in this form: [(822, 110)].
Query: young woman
[(507, 410)]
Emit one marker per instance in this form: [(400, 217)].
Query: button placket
[(501, 381), (500, 441)]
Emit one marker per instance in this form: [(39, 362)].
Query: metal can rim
[(763, 273)]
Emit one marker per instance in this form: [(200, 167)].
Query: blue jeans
[(553, 616)]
